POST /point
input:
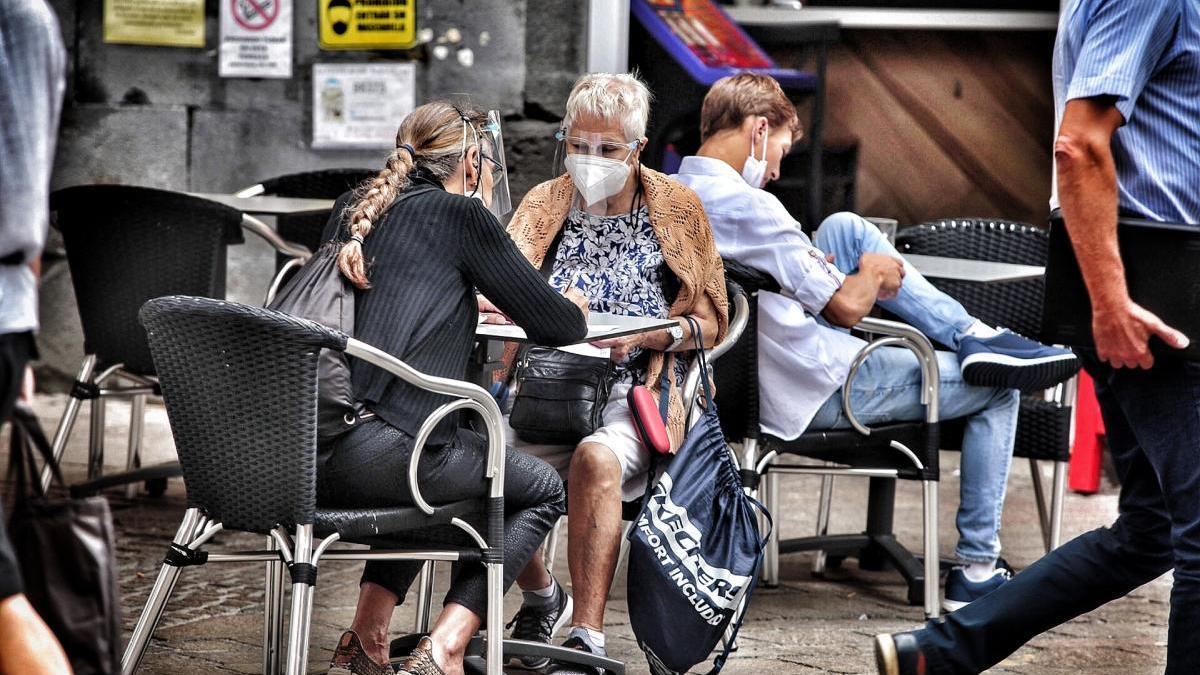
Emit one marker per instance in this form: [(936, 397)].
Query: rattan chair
[(883, 454), (126, 245), (1044, 428), (240, 385), (306, 228)]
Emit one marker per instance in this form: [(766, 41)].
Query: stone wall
[(162, 117)]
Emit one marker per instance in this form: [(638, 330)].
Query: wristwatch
[(676, 332)]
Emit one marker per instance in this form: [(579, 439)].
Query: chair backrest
[(126, 245), (240, 386), (735, 374), (322, 184), (1016, 305), (306, 228)]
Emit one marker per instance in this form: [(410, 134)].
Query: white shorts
[(617, 434)]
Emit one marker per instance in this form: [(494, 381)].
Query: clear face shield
[(492, 186), (599, 164)]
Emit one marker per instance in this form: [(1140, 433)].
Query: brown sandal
[(351, 659), (420, 662)]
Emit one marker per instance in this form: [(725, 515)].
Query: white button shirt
[(802, 361)]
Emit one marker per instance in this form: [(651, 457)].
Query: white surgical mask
[(755, 168), (596, 178)]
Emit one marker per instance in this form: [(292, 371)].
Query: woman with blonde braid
[(419, 239)]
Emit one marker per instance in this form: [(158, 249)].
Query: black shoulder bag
[(560, 396)]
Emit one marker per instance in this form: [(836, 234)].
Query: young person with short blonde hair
[(747, 126)]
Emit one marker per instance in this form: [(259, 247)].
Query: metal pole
[(297, 648), (608, 36), (63, 433), (273, 612), (137, 419), (159, 594)]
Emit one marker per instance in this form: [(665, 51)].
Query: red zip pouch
[(650, 416)]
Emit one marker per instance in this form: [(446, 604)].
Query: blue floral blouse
[(616, 261)]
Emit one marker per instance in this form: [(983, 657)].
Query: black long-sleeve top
[(425, 260)]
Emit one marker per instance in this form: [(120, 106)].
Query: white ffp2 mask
[(596, 178), (755, 168)]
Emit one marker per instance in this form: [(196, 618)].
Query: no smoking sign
[(256, 38), (254, 14)]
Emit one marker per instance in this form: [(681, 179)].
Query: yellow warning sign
[(164, 23), (367, 24)]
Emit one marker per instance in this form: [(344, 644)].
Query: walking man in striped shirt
[(1127, 97)]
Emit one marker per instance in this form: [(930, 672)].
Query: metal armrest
[(469, 397), (691, 383), (899, 335), (282, 274), (258, 227), (252, 191)]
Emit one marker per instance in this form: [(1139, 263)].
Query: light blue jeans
[(888, 388)]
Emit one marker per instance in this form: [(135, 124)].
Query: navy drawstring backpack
[(695, 548)]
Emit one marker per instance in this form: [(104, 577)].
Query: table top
[(600, 327), (959, 269), (269, 206)]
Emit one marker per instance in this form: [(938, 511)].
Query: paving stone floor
[(213, 623)]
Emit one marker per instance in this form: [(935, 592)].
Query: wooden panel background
[(948, 123)]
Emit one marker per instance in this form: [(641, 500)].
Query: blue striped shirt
[(1145, 54)]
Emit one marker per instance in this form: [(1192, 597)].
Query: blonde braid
[(375, 199)]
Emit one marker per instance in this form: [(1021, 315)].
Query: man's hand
[(887, 270), (1122, 333)]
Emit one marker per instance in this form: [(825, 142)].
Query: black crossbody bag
[(1160, 261), (560, 396)]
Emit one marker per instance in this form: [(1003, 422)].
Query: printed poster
[(360, 105), (162, 23), (256, 38), (367, 24)]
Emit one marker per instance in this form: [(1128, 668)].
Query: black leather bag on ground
[(67, 553), (560, 396)]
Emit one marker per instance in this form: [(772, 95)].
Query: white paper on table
[(585, 349), (601, 329)]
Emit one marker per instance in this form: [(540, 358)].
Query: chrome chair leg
[(1039, 497), (137, 419), (159, 594), (550, 552), (301, 614), (67, 422), (495, 618), (771, 556), (96, 439), (424, 597), (273, 613), (823, 507), (1058, 500), (929, 490)]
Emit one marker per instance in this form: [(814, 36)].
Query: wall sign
[(162, 23), (367, 24), (360, 105), (256, 38)]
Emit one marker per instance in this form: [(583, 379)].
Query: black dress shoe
[(898, 654)]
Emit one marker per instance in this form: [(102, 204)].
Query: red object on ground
[(1087, 454)]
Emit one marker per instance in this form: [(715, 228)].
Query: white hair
[(620, 97)]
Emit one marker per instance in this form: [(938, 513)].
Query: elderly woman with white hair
[(635, 242)]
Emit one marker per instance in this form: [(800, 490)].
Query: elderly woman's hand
[(620, 347), (581, 301)]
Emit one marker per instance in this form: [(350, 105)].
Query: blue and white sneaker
[(1010, 361), (961, 591)]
